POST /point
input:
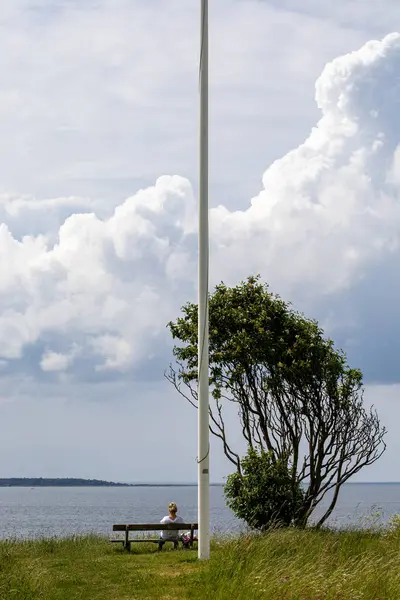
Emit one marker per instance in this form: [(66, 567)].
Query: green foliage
[(251, 326), (262, 494)]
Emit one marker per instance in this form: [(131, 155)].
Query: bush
[(264, 493)]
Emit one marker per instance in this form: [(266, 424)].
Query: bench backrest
[(155, 526)]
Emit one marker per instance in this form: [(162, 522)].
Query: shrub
[(264, 494)]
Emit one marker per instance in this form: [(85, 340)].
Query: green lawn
[(281, 565)]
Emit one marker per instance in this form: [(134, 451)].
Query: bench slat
[(155, 527)]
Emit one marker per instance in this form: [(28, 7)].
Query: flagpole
[(203, 367)]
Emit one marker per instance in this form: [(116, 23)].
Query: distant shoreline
[(57, 482), (76, 482), (33, 482)]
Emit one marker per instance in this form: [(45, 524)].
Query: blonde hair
[(172, 507)]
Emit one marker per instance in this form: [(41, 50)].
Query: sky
[(98, 190)]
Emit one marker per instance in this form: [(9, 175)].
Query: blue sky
[(98, 181)]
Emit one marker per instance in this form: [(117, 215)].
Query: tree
[(262, 494), (296, 397)]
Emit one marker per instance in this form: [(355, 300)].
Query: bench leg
[(127, 544)]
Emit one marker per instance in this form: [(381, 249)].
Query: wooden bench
[(127, 541)]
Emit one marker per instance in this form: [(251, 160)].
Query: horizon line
[(177, 483)]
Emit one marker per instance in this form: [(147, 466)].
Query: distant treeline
[(66, 482)]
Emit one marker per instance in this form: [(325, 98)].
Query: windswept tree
[(296, 397)]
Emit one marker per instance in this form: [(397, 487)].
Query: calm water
[(32, 512)]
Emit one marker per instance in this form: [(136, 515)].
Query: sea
[(27, 513)]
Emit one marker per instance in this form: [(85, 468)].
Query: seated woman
[(172, 535)]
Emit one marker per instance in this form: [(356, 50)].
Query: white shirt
[(171, 534)]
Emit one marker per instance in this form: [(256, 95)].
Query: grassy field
[(281, 565)]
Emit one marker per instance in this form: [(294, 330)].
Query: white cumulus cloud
[(329, 208), (327, 217), (106, 284)]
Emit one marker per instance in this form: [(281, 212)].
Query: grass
[(280, 565)]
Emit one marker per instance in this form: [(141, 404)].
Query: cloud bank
[(330, 208), (88, 293)]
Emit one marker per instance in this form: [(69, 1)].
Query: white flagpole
[(203, 387)]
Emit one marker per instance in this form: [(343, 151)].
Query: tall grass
[(305, 565), (279, 565)]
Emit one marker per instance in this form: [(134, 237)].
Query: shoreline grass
[(280, 565)]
